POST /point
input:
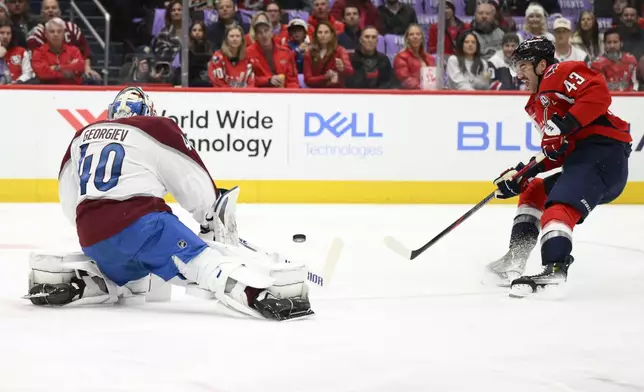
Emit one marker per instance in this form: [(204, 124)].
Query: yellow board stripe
[(294, 191)]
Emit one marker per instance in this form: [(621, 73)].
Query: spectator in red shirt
[(321, 14), (326, 64), (230, 67), (408, 62), (14, 59), (280, 31), (251, 37), (273, 65), (453, 27), (618, 67), (368, 12), (57, 62), (73, 36)]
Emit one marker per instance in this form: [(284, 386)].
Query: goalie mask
[(130, 102)]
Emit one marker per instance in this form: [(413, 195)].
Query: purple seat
[(247, 15), (300, 81), (419, 7), (378, 3), (604, 23), (294, 14), (459, 6), (391, 58), (159, 21), (210, 17), (380, 46), (431, 6), (176, 63)]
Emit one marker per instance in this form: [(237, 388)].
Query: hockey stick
[(410, 254), (328, 267)]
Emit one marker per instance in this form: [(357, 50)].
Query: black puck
[(299, 238)]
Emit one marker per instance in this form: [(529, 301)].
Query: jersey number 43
[(113, 152)]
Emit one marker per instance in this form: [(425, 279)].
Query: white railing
[(104, 43)]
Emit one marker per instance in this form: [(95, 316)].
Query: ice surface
[(383, 323)]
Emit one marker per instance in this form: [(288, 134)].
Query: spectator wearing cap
[(326, 65), (409, 62), (298, 41), (73, 35), (15, 61), (199, 55), (367, 11), (280, 31), (502, 77), (467, 70), (587, 36), (273, 65), (18, 35), (488, 33), (321, 13), (251, 36), (351, 36), (227, 15), (230, 66), (453, 27), (395, 17), (167, 44), (371, 69), (631, 34), (564, 49), (57, 62), (536, 24), (618, 67), (142, 68)]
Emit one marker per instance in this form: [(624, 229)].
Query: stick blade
[(397, 247)]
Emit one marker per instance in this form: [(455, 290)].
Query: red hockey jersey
[(571, 88), (620, 74), (223, 73)]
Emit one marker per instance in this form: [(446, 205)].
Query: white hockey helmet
[(130, 102)]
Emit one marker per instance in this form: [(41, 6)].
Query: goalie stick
[(411, 254), (333, 254)]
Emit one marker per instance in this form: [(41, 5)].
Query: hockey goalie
[(112, 181)]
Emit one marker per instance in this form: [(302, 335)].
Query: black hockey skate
[(56, 294), (282, 309), (552, 275)]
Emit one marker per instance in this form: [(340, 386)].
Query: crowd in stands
[(323, 44)]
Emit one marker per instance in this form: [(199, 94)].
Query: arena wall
[(307, 146)]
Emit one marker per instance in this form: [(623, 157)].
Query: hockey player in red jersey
[(112, 181), (570, 106)]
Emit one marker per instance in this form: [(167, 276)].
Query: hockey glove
[(507, 185), (554, 144)]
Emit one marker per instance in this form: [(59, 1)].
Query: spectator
[(73, 36), (501, 74), (371, 69), (230, 66), (632, 35), (273, 65), (199, 55), (396, 16), (368, 12), (535, 24), (409, 62), (304, 5), (502, 14), (298, 41), (351, 37), (142, 69), (227, 15), (17, 34), (326, 64), (587, 36), (15, 61), (251, 36), (453, 27), (618, 67), (20, 16), (488, 34), (564, 49), (321, 14), (57, 62), (167, 44), (280, 31), (467, 70)]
